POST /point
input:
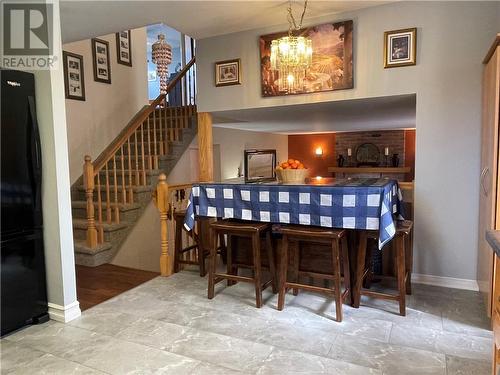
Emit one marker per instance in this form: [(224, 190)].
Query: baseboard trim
[(66, 313), (448, 282)]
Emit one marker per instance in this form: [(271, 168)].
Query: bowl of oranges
[(292, 171)]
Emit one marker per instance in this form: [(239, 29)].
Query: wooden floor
[(98, 284)]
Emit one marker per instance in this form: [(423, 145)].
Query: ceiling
[(390, 112), (81, 19)]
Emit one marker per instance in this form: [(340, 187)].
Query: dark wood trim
[(96, 78), (118, 56), (82, 76)]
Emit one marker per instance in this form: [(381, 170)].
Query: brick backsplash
[(394, 139)]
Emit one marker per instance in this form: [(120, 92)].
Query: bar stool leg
[(360, 268), (409, 260), (283, 265), (401, 271), (177, 246), (336, 272), (257, 269), (223, 248), (347, 271), (229, 260), (296, 265), (271, 260), (201, 260), (212, 264)]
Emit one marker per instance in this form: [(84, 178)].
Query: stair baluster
[(160, 199), (124, 190), (143, 157), (100, 228), (155, 144), (130, 181), (88, 183), (115, 192)]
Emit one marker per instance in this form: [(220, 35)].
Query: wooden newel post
[(161, 200), (88, 183)]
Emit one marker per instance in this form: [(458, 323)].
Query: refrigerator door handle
[(35, 153)]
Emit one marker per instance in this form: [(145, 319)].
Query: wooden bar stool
[(201, 242), (337, 241), (244, 229), (403, 260)]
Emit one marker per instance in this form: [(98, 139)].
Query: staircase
[(116, 188)]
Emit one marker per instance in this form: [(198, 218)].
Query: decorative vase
[(395, 160)]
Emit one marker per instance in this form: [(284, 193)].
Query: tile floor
[(168, 326)]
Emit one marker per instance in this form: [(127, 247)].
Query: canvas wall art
[(331, 68)]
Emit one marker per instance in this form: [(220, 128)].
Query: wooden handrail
[(125, 163)]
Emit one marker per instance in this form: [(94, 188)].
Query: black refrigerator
[(23, 285)]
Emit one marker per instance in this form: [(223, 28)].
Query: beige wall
[(453, 38), (141, 249), (92, 124)]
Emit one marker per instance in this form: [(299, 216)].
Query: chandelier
[(161, 54), (291, 55)]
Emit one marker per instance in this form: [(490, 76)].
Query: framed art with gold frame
[(228, 72), (400, 48)]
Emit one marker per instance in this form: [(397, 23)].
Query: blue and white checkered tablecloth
[(351, 204)]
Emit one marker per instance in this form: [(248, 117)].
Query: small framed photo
[(124, 47), (400, 48), (102, 65), (228, 72), (74, 82)]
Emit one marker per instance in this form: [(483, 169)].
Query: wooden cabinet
[(489, 203)]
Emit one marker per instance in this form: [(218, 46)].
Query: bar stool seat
[(404, 264), (245, 229), (336, 239)]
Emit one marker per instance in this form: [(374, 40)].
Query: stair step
[(136, 189), (113, 227), (81, 247), (152, 172), (122, 207)]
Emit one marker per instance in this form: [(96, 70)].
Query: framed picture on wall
[(74, 83), (102, 65), (331, 67), (228, 72), (124, 47), (400, 48)]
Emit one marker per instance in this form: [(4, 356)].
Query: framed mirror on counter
[(260, 165)]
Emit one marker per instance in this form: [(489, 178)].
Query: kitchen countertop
[(493, 238)]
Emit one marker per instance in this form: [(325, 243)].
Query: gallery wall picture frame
[(100, 57), (228, 72), (74, 80), (124, 47), (400, 48)]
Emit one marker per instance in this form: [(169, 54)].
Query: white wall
[(453, 38), (229, 144), (92, 124)]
